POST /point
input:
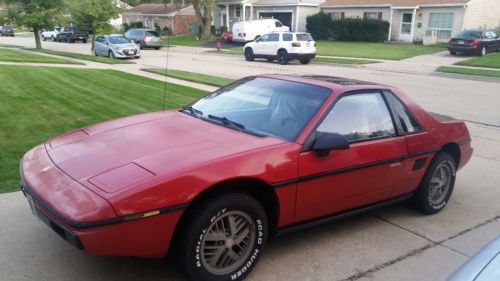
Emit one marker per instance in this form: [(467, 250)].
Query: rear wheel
[(282, 57), (157, 48), (305, 61), (84, 41), (222, 239), (437, 185), (482, 52), (249, 56)]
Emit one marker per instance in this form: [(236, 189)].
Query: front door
[(365, 173), (406, 26)]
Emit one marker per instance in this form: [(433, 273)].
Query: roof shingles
[(394, 3)]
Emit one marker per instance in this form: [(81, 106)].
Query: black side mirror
[(257, 38), (326, 142)]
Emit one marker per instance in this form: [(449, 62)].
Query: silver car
[(483, 266), (116, 46)]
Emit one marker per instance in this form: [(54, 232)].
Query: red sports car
[(265, 155)]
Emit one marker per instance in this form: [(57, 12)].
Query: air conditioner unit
[(430, 37)]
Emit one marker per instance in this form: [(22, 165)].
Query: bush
[(355, 29), (319, 26)]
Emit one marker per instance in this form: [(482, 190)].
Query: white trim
[(412, 32), (390, 26), (150, 15), (227, 16), (356, 6), (442, 5), (286, 5), (296, 20), (404, 8)]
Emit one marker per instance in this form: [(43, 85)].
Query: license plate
[(308, 44), (461, 42)]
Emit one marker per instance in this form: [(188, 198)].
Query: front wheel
[(249, 56), (43, 38), (111, 55), (282, 57), (222, 239), (437, 185), (139, 45), (157, 48), (84, 41)]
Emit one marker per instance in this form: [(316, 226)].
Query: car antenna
[(165, 74)]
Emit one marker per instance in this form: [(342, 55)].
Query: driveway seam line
[(415, 252)]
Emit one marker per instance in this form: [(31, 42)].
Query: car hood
[(144, 146), (126, 45)]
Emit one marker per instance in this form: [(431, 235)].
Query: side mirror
[(257, 38), (326, 142)]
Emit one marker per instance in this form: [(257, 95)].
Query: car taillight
[(474, 43), (295, 44)]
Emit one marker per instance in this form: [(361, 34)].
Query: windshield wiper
[(226, 121), (192, 110)]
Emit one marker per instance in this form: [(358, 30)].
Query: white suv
[(283, 46)]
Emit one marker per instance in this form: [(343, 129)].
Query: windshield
[(469, 34), (118, 40), (304, 37), (263, 105)]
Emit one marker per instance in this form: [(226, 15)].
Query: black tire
[(139, 45), (249, 56), (305, 61), (270, 60), (453, 53), (422, 200), (53, 39), (84, 41), (111, 55), (190, 245), (157, 48), (282, 57), (43, 38)]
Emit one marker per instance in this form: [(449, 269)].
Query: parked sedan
[(7, 30), (145, 38), (115, 46), (474, 41), (264, 155)]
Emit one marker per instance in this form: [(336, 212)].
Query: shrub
[(356, 29), (319, 25)]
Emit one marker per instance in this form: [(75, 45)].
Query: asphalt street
[(393, 243)]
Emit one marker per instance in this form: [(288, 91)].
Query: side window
[(493, 34), (278, 24), (487, 35), (264, 38), (405, 121), (359, 117), (287, 37), (274, 37)]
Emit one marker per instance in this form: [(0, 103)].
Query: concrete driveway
[(394, 243)]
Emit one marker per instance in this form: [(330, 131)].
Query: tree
[(94, 14), (37, 14), (204, 9)]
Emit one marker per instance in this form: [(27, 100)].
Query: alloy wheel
[(440, 183), (228, 242)]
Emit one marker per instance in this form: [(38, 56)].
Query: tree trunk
[(38, 43), (93, 42), (206, 27)]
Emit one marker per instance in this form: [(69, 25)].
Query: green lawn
[(38, 103), (191, 76), (367, 50), (344, 61), (490, 60), (83, 57), (185, 40), (469, 71), (10, 46), (9, 55)]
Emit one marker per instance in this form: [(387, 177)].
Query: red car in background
[(265, 155), (227, 36)]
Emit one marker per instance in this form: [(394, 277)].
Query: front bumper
[(145, 234), (126, 53)]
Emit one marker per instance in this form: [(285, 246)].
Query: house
[(410, 19), (117, 22), (177, 19), (292, 13)]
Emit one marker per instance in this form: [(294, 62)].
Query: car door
[(366, 172), (495, 42), (273, 44), (99, 46), (260, 45)]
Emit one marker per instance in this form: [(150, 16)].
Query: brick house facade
[(177, 19)]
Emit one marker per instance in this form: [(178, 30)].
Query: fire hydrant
[(218, 46)]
